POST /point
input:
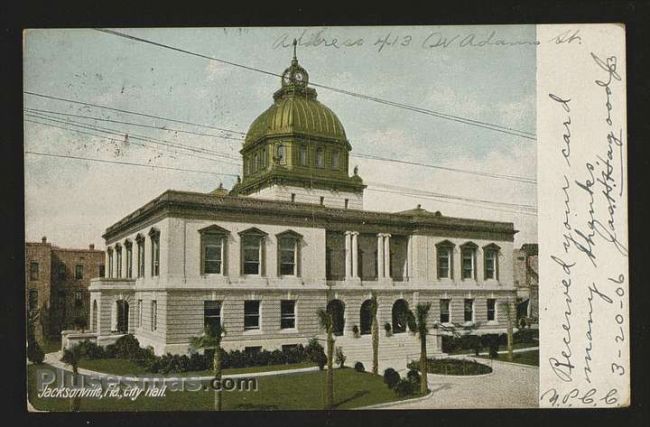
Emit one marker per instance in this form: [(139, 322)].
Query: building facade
[(526, 276), (57, 281), (291, 238)]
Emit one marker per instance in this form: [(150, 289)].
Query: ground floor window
[(469, 310), (287, 314), (78, 299), (251, 315), (139, 313), (154, 315), (212, 315), (444, 310), (491, 309)]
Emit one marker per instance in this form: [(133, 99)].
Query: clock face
[(286, 78), (299, 77)]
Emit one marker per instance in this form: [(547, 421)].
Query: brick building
[(57, 282), (526, 276)]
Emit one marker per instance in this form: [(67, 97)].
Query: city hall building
[(290, 238)]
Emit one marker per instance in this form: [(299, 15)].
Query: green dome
[(296, 114)]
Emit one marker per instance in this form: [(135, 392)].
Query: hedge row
[(128, 347)]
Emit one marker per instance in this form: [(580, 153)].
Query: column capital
[(386, 234), (347, 233), (354, 233)]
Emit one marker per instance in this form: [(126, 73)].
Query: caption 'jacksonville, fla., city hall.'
[(292, 237)]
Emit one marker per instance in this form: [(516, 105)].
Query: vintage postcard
[(307, 218)]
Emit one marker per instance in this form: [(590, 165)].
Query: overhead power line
[(459, 119), (89, 159), (151, 116), (516, 178), (164, 128)]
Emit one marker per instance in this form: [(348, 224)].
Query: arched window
[(282, 155), (214, 243), (139, 239), (302, 154), (320, 158), (336, 159), (120, 317), (252, 252), (365, 317), (491, 262), (468, 260), (118, 261), (154, 234), (336, 309), (256, 162), (289, 253), (400, 316), (444, 260), (128, 245)]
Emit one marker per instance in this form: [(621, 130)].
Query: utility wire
[(477, 123), (151, 116), (37, 110), (89, 159), (515, 178)]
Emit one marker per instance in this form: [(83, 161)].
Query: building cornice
[(260, 211)]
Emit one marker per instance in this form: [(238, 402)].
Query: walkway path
[(510, 385)]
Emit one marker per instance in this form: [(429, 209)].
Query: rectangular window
[(33, 271), (212, 253), (252, 254), (155, 254), (320, 158), (118, 262), (78, 299), (491, 309), (251, 315), (444, 310), (102, 270), (141, 258), (335, 159), (154, 315), (110, 264), (287, 255), (33, 299), (293, 197), (469, 310), (287, 314), (347, 203), (468, 263), (129, 261), (79, 271), (444, 262), (139, 313), (303, 156), (490, 264), (322, 200), (62, 272), (212, 314)]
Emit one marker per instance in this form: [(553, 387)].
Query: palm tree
[(509, 316), (375, 334), (211, 340), (72, 356), (418, 323), (326, 322)]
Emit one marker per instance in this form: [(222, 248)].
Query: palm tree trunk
[(329, 398), (216, 365), (510, 327), (375, 346), (75, 403), (423, 364)]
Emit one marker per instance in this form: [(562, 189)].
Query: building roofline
[(172, 199)]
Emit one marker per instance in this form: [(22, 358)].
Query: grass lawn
[(525, 358), (127, 367), (290, 392), (50, 345)]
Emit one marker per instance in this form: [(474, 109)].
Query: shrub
[(359, 367), (340, 357), (414, 377), (316, 353), (80, 322), (453, 367), (34, 352), (90, 350), (126, 347), (404, 387), (391, 377), (525, 336)]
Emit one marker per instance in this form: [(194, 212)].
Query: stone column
[(409, 257), (348, 255), (387, 256), (355, 254), (380, 255)]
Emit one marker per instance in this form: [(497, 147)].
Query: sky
[(73, 201)]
